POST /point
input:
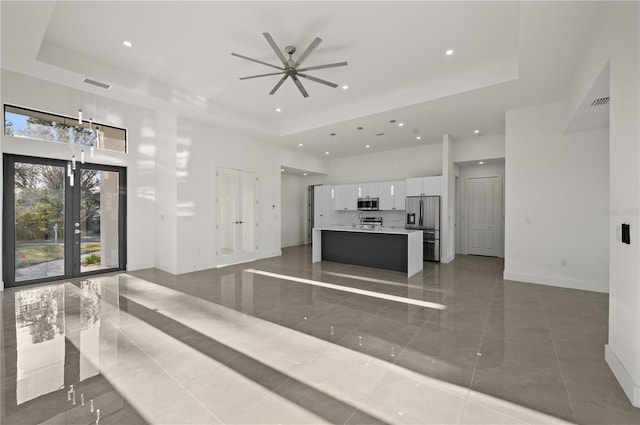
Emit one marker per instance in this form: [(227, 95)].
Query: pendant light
[(360, 138), (333, 188), (393, 183)]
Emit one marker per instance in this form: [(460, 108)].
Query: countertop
[(380, 229)]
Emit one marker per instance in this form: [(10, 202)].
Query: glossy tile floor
[(284, 341)]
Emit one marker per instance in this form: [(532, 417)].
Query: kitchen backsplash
[(389, 218)]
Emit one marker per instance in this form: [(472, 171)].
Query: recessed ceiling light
[(278, 110), (127, 43), (304, 174), (326, 153), (476, 131), (299, 144), (481, 162), (282, 170), (345, 87), (449, 52), (367, 146), (418, 137), (400, 124)]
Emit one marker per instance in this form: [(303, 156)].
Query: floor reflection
[(296, 344), (39, 318), (52, 343)]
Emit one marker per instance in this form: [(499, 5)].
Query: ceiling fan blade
[(277, 86), (256, 60), (304, 54), (331, 65), (300, 86), (318, 80), (262, 75), (275, 48)]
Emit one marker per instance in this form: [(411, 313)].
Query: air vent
[(97, 84), (601, 101)]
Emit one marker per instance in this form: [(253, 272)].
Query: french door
[(237, 225), (61, 221)]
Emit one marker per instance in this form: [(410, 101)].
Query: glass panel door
[(39, 220), (227, 217), (99, 220), (61, 222), (237, 225), (248, 224)]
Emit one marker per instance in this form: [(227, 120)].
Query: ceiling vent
[(101, 85), (600, 102)]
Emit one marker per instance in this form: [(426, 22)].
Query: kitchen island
[(387, 248)]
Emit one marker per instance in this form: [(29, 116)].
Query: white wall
[(165, 193), (392, 165), (202, 148), (447, 234), (294, 213), (34, 93), (478, 148), (556, 201), (617, 40)]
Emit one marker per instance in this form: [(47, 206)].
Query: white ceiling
[(507, 55)]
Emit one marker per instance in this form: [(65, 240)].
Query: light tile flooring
[(260, 347)]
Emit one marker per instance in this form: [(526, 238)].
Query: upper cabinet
[(392, 194), (368, 190), (346, 197), (424, 186)]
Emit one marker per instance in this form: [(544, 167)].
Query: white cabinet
[(346, 197), (368, 190), (395, 201), (399, 195), (424, 186), (322, 206)]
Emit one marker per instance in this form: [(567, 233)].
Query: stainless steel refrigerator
[(423, 213)]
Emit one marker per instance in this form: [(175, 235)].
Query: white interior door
[(237, 226), (484, 216)]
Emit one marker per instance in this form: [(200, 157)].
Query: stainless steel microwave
[(368, 204)]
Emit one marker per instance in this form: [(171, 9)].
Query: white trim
[(630, 388), (448, 259), (585, 285), (287, 245)]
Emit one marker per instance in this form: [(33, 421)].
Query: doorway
[(61, 220), (237, 205)]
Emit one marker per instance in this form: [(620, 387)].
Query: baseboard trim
[(448, 259), (630, 388), (585, 285), (287, 245)]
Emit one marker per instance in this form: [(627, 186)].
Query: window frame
[(85, 124)]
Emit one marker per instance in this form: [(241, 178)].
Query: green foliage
[(39, 201), (28, 254), (91, 259)]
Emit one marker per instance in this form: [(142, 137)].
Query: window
[(37, 125)]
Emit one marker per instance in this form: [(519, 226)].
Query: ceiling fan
[(290, 67)]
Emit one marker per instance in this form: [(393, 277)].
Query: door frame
[(71, 215)]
